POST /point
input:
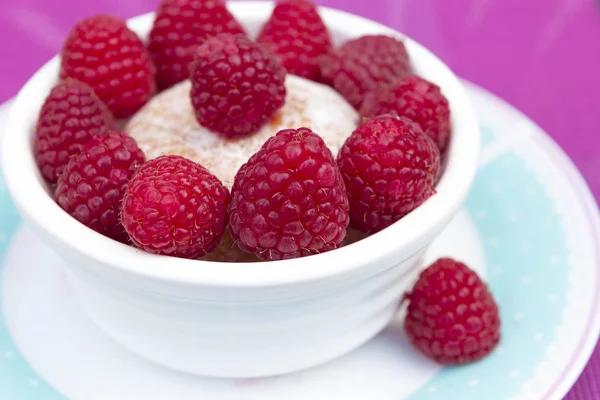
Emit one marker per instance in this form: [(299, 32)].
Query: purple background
[(542, 56)]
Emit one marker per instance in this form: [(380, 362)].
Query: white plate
[(530, 226)]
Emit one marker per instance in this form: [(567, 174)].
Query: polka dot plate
[(530, 226)]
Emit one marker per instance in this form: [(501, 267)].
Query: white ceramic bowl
[(243, 320)]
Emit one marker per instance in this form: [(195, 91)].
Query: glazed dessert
[(167, 125), (255, 150)]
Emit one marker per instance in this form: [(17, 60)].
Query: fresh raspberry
[(102, 52), (174, 206), (297, 35), (389, 166), (92, 184), (236, 85), (452, 316), (70, 116), (179, 28), (365, 64), (289, 199), (415, 98)]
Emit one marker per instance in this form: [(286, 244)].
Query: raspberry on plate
[(389, 166), (452, 317), (365, 64), (236, 85), (92, 184), (104, 53), (176, 207), (69, 117), (179, 28), (415, 98), (297, 35), (289, 199)]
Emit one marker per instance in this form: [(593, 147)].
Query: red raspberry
[(297, 35), (102, 52), (366, 64), (452, 316), (236, 85), (70, 116), (389, 166), (179, 28), (92, 184), (174, 206), (415, 98), (289, 199)]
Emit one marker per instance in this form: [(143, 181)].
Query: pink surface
[(542, 56)]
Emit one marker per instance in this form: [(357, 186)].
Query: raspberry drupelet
[(365, 64), (92, 185), (452, 317), (104, 53), (289, 199), (297, 35), (389, 167), (415, 98), (176, 207), (236, 85), (179, 28), (70, 116)]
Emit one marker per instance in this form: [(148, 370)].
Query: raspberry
[(92, 184), (389, 166), (70, 116), (236, 85), (452, 316), (102, 52), (289, 199), (298, 36), (366, 64), (174, 206), (415, 98), (179, 28)]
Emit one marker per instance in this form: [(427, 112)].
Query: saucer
[(530, 227)]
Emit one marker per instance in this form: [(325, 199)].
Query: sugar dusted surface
[(167, 125)]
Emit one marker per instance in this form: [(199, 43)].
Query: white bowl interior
[(401, 240)]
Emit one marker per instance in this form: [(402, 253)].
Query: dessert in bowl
[(240, 319)]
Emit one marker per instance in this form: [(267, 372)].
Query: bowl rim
[(389, 246)]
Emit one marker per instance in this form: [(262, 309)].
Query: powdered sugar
[(166, 125)]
